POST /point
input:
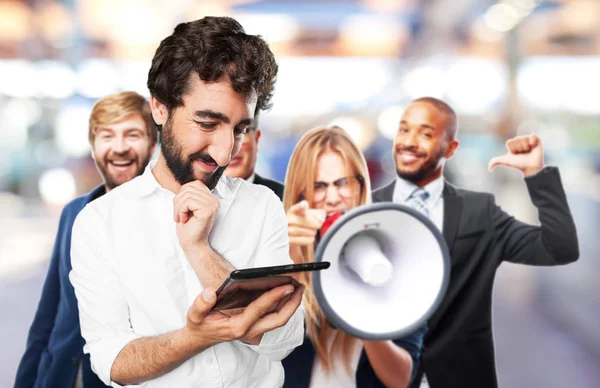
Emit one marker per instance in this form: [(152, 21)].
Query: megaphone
[(389, 271)]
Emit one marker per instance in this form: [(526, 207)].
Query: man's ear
[(257, 137), (452, 146), (160, 113)]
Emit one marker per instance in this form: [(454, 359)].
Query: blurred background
[(508, 67)]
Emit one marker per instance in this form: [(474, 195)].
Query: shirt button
[(74, 360), (209, 360)]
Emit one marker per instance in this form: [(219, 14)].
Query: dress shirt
[(133, 280), (434, 204)]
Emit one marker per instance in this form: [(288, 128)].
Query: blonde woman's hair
[(299, 185), (115, 108)]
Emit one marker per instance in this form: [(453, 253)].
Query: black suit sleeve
[(554, 242), (277, 187)]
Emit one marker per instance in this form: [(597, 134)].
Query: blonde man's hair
[(115, 108), (299, 185)]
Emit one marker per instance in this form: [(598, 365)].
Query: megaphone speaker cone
[(363, 255)]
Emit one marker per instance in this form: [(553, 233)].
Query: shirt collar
[(251, 178), (148, 184), (404, 188)]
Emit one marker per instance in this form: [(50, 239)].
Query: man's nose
[(409, 140), (120, 145), (222, 147)]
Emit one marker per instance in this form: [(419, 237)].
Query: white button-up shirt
[(132, 279), (434, 204)]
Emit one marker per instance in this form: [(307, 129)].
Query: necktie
[(417, 200)]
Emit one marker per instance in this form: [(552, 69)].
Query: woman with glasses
[(327, 174)]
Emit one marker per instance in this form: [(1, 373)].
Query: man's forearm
[(555, 242), (210, 267), (147, 358)]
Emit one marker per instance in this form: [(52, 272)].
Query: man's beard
[(181, 168), (429, 166), (110, 180)]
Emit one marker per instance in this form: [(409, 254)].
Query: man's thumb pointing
[(497, 161)]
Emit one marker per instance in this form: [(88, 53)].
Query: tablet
[(245, 285)]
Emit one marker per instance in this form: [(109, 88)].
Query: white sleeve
[(103, 310), (274, 250)]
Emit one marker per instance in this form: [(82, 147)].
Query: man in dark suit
[(123, 138), (458, 349), (244, 163)]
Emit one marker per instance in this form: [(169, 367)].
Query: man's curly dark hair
[(211, 48)]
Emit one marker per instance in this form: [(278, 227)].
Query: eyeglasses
[(346, 187)]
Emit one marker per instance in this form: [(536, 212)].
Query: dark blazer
[(298, 365), (459, 350), (277, 187), (54, 347)]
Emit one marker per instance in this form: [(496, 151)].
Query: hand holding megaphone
[(303, 223)]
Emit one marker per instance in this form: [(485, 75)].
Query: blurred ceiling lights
[(388, 6), (16, 116), (359, 130), (71, 128), (388, 120), (57, 186), (373, 35), (15, 23), (97, 77), (55, 79), (272, 27), (506, 14)]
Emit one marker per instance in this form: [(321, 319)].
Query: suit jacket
[(277, 187), (299, 364), (458, 348), (54, 347)]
